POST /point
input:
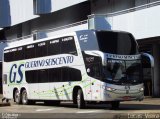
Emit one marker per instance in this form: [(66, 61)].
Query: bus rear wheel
[(17, 97), (80, 99), (25, 100)]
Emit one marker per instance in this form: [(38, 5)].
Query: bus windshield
[(122, 72), (116, 43)]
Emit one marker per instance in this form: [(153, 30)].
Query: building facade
[(20, 18)]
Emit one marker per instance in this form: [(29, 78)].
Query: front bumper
[(123, 95)]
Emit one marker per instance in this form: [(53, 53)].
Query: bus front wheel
[(80, 99)]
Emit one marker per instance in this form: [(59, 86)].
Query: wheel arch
[(14, 90), (75, 92), (22, 89)]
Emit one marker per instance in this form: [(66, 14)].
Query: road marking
[(43, 110), (92, 111)]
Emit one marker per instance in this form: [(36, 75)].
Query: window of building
[(42, 6), (19, 30)]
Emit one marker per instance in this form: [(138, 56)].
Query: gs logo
[(13, 77)]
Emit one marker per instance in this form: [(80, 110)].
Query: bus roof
[(22, 42)]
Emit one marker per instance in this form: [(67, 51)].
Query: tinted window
[(43, 76), (94, 70), (87, 40), (55, 75), (19, 53), (31, 76), (93, 65), (8, 56), (75, 75), (68, 46), (54, 47), (70, 74), (41, 49), (65, 74), (64, 45), (14, 54), (30, 51), (117, 43)]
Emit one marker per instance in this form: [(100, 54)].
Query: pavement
[(149, 107), (148, 101)]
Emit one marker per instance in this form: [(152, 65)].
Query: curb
[(148, 97), (5, 104)]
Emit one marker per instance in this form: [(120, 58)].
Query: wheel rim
[(24, 98), (78, 100), (17, 97)]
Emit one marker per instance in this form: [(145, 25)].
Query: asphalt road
[(147, 109)]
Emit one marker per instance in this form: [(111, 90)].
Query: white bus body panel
[(93, 89)]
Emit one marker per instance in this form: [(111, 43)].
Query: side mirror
[(147, 59)]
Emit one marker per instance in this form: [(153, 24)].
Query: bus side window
[(30, 51), (54, 47), (71, 74), (19, 54), (68, 46), (41, 49), (42, 76), (75, 75), (8, 56), (65, 74), (54, 75), (31, 76)]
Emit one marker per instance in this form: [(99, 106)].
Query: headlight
[(141, 89), (108, 88)]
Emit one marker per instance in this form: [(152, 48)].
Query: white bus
[(83, 66)]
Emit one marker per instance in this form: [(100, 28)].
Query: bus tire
[(115, 104), (17, 97), (25, 100), (80, 99)]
